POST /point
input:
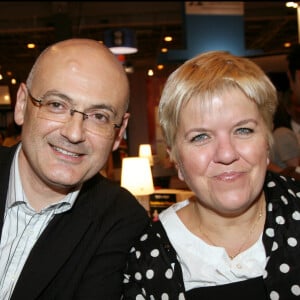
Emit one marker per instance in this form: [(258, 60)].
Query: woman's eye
[(200, 137), (244, 131)]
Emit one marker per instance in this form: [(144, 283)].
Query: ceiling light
[(30, 45), (168, 39), (150, 72), (120, 41), (291, 4)]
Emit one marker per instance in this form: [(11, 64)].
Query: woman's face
[(222, 151)]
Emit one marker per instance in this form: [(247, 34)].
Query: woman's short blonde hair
[(210, 74)]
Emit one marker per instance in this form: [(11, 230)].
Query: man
[(293, 72), (66, 230), (293, 105)]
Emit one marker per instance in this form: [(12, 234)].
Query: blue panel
[(211, 32)]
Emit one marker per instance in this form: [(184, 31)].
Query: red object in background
[(121, 58)]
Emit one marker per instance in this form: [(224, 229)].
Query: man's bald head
[(79, 55)]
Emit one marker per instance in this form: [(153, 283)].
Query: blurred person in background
[(293, 59), (285, 151)]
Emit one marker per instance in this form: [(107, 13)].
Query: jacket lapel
[(6, 158), (53, 249)]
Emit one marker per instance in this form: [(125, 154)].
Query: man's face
[(65, 154)]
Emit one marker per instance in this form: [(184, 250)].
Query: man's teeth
[(66, 152)]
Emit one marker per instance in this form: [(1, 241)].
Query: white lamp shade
[(145, 151), (136, 176)]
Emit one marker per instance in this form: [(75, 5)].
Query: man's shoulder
[(282, 131), (7, 153)]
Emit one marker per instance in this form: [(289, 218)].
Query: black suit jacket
[(82, 252)]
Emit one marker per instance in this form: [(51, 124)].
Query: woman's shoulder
[(153, 235), (283, 184)]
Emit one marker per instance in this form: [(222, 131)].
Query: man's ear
[(21, 103), (121, 132)]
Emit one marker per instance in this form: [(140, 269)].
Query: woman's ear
[(176, 164), (21, 103), (180, 173)]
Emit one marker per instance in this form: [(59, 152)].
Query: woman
[(238, 237)]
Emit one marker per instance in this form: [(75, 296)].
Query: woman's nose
[(226, 152)]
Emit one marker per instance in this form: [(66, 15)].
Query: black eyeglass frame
[(72, 110)]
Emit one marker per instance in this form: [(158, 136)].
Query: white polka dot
[(138, 276), (265, 274), (274, 295), (181, 296), (138, 254), (164, 296), (152, 297), (296, 215), (280, 220), (274, 246), (139, 297), (158, 234), (284, 268), (284, 178), (144, 237), (295, 290), (298, 194), (284, 200), (154, 253), (132, 249), (270, 207), (150, 274), (291, 192), (271, 184), (169, 274), (292, 241), (270, 232)]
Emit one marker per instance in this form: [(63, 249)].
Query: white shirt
[(21, 229), (205, 265)]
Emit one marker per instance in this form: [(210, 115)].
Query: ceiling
[(267, 26)]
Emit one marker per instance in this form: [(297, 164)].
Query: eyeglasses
[(96, 121)]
